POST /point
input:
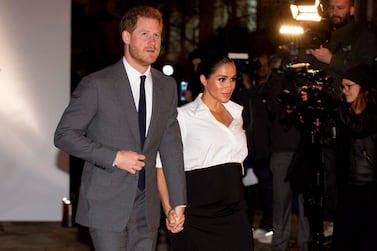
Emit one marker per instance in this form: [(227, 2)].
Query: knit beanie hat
[(362, 75)]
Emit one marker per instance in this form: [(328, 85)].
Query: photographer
[(313, 121), (285, 137), (348, 44)]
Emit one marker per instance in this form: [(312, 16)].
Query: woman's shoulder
[(193, 106), (187, 107)]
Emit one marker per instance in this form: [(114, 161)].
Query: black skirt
[(216, 217)]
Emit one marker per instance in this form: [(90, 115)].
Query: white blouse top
[(208, 142)]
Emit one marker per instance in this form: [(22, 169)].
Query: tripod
[(314, 198), (322, 133)]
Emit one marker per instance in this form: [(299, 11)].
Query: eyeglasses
[(347, 87)]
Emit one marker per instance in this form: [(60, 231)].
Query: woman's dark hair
[(364, 98), (210, 63), (364, 76)]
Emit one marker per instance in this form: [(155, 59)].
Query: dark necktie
[(142, 126)]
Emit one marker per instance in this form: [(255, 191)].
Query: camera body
[(315, 82)]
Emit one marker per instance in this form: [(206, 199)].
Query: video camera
[(315, 82)]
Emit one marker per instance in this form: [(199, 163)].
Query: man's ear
[(352, 10), (126, 37)]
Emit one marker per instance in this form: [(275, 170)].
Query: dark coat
[(358, 145)]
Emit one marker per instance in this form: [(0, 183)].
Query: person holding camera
[(285, 138), (349, 43)]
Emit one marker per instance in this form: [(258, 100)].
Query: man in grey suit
[(119, 200)]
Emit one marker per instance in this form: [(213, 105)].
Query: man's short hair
[(129, 19)]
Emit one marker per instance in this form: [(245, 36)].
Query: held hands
[(129, 161), (175, 218), (322, 54)]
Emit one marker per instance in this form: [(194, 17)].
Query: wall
[(34, 90)]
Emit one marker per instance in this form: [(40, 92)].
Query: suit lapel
[(157, 96), (124, 94)]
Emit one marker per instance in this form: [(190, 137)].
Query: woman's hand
[(175, 219)]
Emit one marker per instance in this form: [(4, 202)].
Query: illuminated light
[(66, 201), (306, 12), (308, 17), (168, 70), (236, 55), (292, 30)]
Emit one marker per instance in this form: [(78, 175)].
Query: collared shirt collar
[(199, 106), (133, 74), (134, 78), (208, 142)]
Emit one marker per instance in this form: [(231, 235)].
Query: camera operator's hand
[(322, 54), (304, 94), (305, 89)]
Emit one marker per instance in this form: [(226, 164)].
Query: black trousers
[(356, 218)]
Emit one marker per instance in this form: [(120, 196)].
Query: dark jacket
[(256, 120), (358, 145), (350, 45), (284, 133)]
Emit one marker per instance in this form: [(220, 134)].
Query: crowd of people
[(236, 144)]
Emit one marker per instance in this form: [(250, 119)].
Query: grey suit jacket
[(101, 119)]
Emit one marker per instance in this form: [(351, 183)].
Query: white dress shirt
[(134, 78), (208, 142)]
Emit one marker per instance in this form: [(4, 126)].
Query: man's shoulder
[(361, 29), (163, 80), (107, 72)]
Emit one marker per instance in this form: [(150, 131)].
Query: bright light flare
[(291, 30), (168, 70), (306, 12)]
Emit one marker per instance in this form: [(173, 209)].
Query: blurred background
[(245, 26)]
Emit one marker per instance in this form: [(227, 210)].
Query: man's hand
[(129, 161), (175, 219), (322, 54)]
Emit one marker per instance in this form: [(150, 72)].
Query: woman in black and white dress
[(214, 144)]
